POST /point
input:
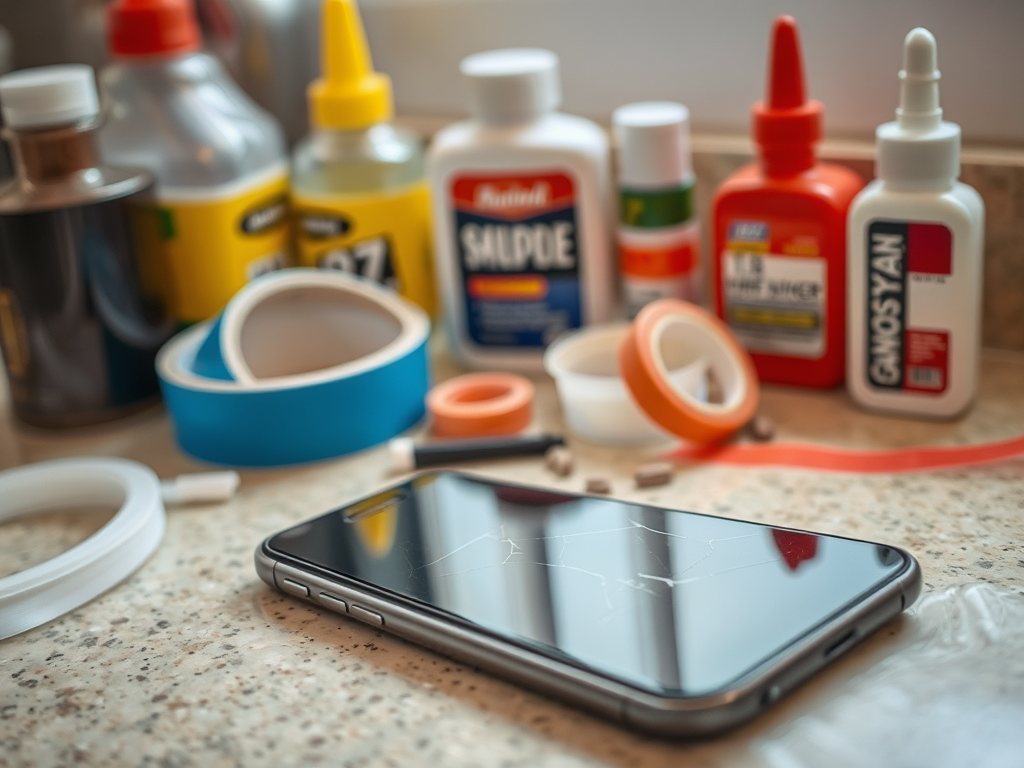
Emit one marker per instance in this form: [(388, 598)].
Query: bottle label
[(666, 266), (200, 246), (518, 251), (659, 208), (908, 264), (384, 237), (774, 289)]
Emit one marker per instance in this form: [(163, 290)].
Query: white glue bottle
[(915, 259), (520, 199), (658, 236)]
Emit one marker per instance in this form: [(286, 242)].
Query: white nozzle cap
[(653, 140), (919, 83), (403, 454), (200, 488), (511, 85), (919, 150), (48, 96)]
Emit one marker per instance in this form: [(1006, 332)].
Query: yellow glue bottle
[(360, 200)]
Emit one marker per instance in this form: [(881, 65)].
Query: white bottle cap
[(48, 96), (919, 150), (511, 85), (653, 140)]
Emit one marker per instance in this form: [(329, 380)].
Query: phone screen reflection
[(674, 602)]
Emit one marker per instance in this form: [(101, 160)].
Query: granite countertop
[(194, 661)]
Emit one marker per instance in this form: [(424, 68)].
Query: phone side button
[(293, 587), (328, 600), (365, 614)]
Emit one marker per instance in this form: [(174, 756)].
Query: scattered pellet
[(559, 460), (650, 475), (715, 392), (598, 485), (761, 428)]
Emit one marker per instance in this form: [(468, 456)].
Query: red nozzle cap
[(788, 117), (152, 27)]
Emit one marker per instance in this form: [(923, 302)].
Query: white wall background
[(711, 55)]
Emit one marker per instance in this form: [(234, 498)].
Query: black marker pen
[(407, 455)]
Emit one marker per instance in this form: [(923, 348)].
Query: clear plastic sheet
[(951, 693)]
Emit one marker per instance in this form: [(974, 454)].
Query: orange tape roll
[(669, 334), (480, 404)]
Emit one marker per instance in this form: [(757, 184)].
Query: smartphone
[(672, 622)]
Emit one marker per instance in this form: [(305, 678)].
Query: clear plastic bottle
[(521, 214), (219, 160), (78, 338), (358, 183), (915, 259)]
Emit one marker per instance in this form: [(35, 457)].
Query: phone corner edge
[(264, 564)]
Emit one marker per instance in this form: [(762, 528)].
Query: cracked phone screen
[(673, 602)]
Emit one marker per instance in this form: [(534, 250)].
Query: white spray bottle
[(915, 252)]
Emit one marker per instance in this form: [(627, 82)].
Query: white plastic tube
[(45, 591)]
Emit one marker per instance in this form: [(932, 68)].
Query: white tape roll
[(302, 365), (48, 590)]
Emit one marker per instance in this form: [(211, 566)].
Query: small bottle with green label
[(359, 195), (658, 234), (220, 215)]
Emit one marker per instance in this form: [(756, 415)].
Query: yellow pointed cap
[(350, 94)]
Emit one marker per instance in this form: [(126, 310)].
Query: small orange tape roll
[(668, 334), (481, 404)]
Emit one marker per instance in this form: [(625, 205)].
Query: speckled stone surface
[(193, 661)]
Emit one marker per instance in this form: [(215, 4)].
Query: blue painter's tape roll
[(302, 365)]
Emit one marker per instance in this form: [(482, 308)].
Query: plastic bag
[(951, 694)]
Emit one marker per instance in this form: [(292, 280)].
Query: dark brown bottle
[(78, 338)]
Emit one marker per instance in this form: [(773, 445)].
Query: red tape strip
[(844, 460)]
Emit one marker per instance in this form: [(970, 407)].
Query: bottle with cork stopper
[(915, 259), (779, 224)]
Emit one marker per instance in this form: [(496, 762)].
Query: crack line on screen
[(641, 582)]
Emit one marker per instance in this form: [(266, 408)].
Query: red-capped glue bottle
[(779, 264), (915, 259)]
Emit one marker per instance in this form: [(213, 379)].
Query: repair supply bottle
[(220, 162), (359, 190), (78, 338), (915, 259), (521, 200), (780, 235), (658, 235)]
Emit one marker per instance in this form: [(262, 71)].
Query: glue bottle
[(220, 217), (780, 235), (915, 259), (79, 339), (521, 202), (358, 183), (659, 238)]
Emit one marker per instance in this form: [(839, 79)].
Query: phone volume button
[(365, 614), (334, 603), (293, 587)]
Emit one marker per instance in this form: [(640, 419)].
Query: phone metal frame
[(677, 717)]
